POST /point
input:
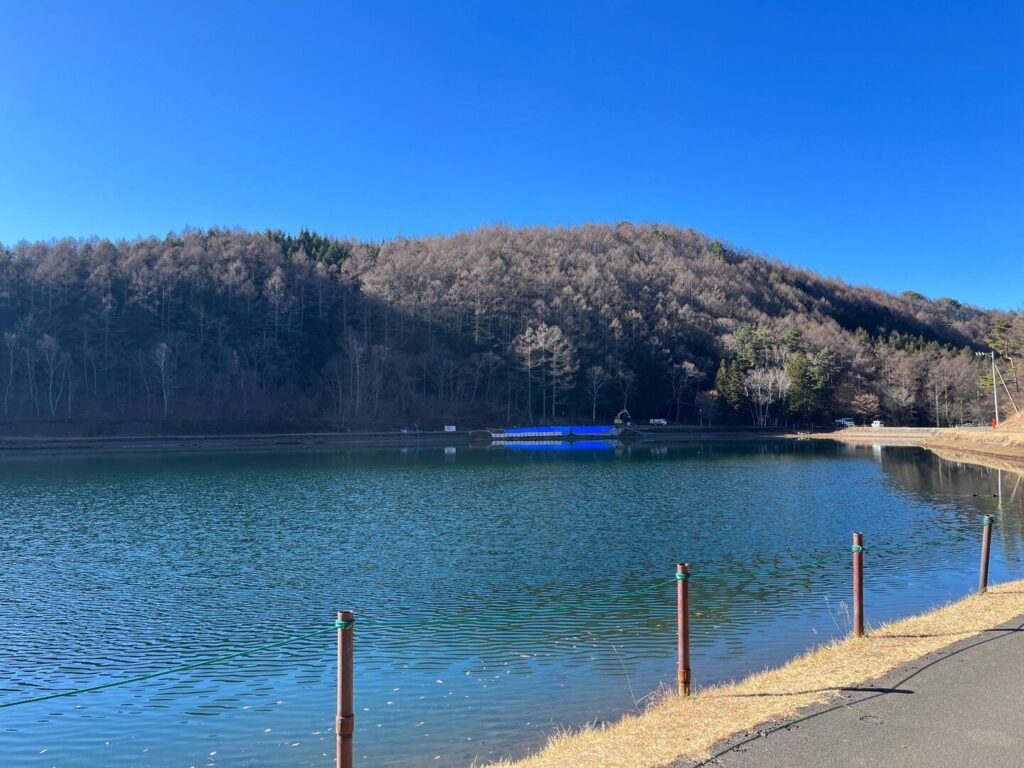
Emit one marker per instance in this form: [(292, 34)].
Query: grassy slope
[(675, 727), (1002, 448)]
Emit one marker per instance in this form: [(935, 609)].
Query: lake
[(466, 568)]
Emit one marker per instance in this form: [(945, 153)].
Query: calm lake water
[(112, 566)]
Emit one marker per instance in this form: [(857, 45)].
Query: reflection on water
[(118, 565), (556, 445)]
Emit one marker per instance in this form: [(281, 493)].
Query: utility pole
[(995, 390)]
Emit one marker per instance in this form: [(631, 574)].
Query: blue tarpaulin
[(544, 432), (594, 431), (558, 445)]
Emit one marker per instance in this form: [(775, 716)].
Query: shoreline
[(16, 446), (674, 728), (229, 443), (976, 446), (983, 447)]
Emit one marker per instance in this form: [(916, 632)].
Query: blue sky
[(879, 142)]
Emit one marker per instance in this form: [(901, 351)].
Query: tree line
[(231, 330)]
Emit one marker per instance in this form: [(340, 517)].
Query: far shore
[(229, 443), (289, 441), (992, 448)]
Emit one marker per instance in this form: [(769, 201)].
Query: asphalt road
[(959, 707)]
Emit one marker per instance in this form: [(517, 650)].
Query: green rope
[(447, 621), (172, 670), (986, 520)]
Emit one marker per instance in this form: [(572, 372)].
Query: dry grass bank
[(1014, 423), (869, 436), (993, 460), (1001, 448), (674, 727)]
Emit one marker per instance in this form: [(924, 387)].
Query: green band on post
[(856, 548), (339, 624), (682, 577)]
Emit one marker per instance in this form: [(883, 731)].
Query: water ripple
[(467, 577)]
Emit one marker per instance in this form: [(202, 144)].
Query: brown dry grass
[(1014, 423), (674, 727), (1001, 448)]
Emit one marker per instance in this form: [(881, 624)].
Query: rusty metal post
[(986, 544), (346, 720), (858, 584), (683, 628)]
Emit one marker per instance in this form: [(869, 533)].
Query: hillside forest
[(227, 330)]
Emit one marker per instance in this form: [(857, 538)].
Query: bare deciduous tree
[(597, 377), (11, 342), (485, 326), (866, 405), (764, 387), (56, 362), (162, 358)]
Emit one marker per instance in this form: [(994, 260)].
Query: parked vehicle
[(847, 422), (876, 424), (659, 422)]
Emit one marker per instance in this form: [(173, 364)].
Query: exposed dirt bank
[(1001, 448), (870, 436)]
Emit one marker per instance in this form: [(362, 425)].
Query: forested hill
[(230, 330)]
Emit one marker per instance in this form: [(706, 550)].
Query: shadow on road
[(875, 692)]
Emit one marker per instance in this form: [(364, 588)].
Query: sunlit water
[(112, 566)]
